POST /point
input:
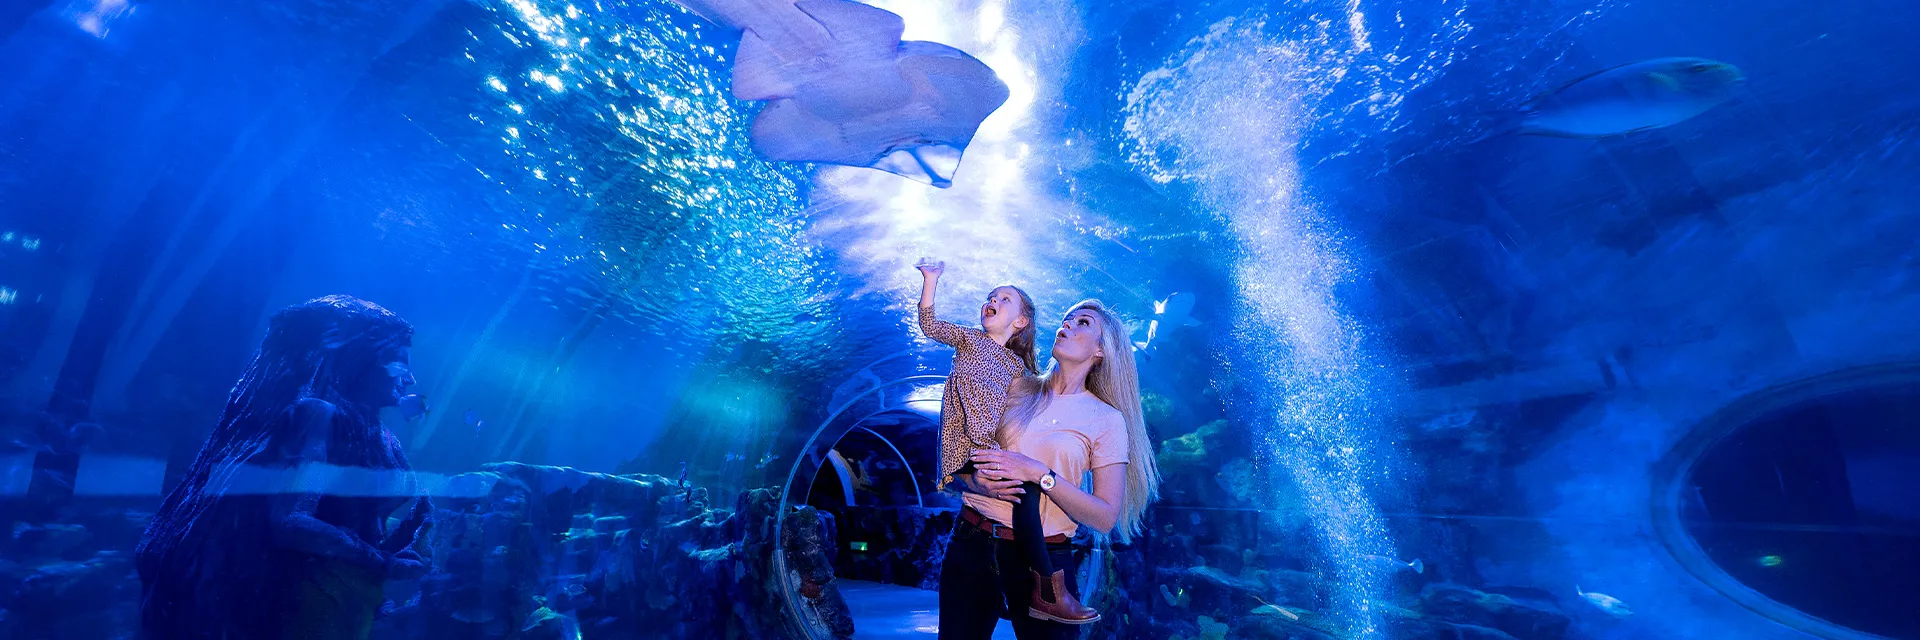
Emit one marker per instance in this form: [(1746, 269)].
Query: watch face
[(1046, 482)]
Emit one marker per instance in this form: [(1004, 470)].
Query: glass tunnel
[(959, 319)]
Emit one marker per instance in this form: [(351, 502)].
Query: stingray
[(842, 88)]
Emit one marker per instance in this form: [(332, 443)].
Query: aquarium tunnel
[(959, 320)]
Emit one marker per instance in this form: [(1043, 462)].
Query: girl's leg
[(1019, 588), (1030, 536), (970, 599)]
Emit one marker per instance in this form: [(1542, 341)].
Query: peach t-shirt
[(1075, 434)]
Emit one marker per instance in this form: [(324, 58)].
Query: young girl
[(986, 362)]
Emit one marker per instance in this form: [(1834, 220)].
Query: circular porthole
[(1802, 503)]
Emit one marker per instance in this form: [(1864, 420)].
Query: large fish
[(842, 88), (1630, 98), (1613, 606)]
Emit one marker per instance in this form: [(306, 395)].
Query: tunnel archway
[(904, 407), (1786, 490), (877, 488), (864, 399), (884, 461)]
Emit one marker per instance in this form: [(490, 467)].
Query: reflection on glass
[(1815, 507)]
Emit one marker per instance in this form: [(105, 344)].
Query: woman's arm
[(294, 525), (1099, 510), (943, 332)]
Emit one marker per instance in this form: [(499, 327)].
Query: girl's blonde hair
[(1116, 381), (1023, 342)]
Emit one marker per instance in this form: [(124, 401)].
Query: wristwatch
[(1047, 481)]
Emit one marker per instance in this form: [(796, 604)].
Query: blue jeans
[(975, 593)]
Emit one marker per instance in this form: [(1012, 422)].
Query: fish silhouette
[(1630, 98), (1611, 605), (842, 88), (1173, 312), (766, 460), (1394, 564), (413, 406)]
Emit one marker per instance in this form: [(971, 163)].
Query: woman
[(278, 530), (1082, 416)]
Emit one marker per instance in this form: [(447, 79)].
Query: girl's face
[(1002, 312), (391, 376), (1078, 339)]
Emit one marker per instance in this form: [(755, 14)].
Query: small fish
[(473, 420), (1174, 312), (1270, 609), (739, 457), (1630, 98), (1393, 564), (1613, 606), (1177, 598), (767, 460), (1273, 610), (1450, 422), (414, 406)]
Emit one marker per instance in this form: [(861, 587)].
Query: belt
[(997, 530)]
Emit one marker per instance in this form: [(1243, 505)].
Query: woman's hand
[(930, 267), (1000, 463), (1008, 490)]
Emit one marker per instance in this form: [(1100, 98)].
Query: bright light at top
[(992, 225), (97, 16)]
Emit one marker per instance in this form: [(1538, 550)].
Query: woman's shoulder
[(1098, 410)]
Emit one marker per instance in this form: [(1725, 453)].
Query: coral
[(1190, 449), (1241, 481), (545, 549), (47, 596), (904, 545), (1210, 630), (1156, 409)]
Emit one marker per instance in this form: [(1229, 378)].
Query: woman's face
[(1078, 339), (390, 378)]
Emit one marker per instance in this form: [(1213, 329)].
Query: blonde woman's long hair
[(1116, 381)]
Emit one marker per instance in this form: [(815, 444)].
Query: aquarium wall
[(1545, 320)]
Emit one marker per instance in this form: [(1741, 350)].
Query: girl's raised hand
[(930, 267)]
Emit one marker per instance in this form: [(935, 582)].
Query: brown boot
[(1064, 608)]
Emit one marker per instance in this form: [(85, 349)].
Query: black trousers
[(984, 578), (1027, 528)]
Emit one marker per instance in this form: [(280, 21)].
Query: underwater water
[(1522, 320)]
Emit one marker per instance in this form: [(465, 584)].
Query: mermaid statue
[(280, 528)]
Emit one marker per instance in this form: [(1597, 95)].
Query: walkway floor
[(892, 612)]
